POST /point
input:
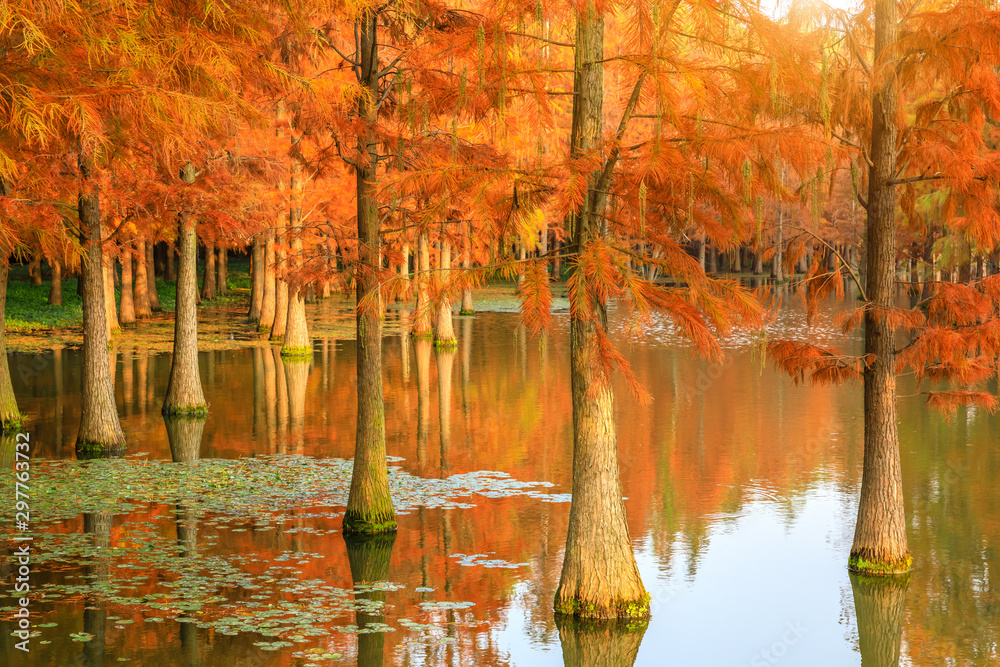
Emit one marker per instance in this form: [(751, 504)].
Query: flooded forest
[(499, 333)]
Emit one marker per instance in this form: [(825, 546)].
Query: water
[(741, 497)]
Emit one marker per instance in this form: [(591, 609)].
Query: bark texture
[(208, 280), (140, 280), (444, 331), (422, 313), (880, 545), (154, 296), (369, 505), (126, 307), (600, 578), (256, 278), (108, 286), (268, 299), (55, 286), (100, 431), (296, 342), (184, 391), (10, 416), (280, 295), (880, 606), (222, 271)]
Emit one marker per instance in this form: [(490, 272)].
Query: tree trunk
[(296, 343), (758, 263), (597, 643), (404, 273), (369, 505), (208, 277), (154, 296), (736, 265), (170, 273), (222, 269), (140, 282), (880, 605), (100, 431), (444, 332), (280, 295), (110, 305), (55, 286), (468, 307), (422, 314), (35, 267), (600, 578), (256, 278), (269, 299), (126, 307), (880, 535), (701, 251), (184, 393), (711, 263), (10, 416)]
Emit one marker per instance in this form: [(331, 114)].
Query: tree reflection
[(880, 603), (185, 435), (445, 362), (596, 643), (422, 350), (97, 573), (369, 558)]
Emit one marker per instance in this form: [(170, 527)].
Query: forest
[(307, 199)]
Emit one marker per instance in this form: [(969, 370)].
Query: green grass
[(28, 306)]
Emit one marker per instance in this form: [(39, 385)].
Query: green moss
[(356, 523), (861, 565), (422, 336), (467, 313), (636, 609), (185, 412), (446, 343), (90, 449), (305, 352), (13, 424)]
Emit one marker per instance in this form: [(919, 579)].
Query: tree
[(915, 109)]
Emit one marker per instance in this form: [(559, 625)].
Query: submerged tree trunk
[(600, 578), (108, 282), (126, 307), (280, 295), (184, 392), (468, 307), (140, 282), (154, 296), (880, 535), (444, 332), (256, 278), (880, 606), (208, 278), (10, 416), (269, 298), (422, 314), (55, 286), (296, 341), (100, 431), (369, 505)]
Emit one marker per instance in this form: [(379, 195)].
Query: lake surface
[(741, 497)]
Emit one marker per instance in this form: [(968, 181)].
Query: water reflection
[(730, 472), (590, 643), (880, 605), (369, 558), (95, 612)]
